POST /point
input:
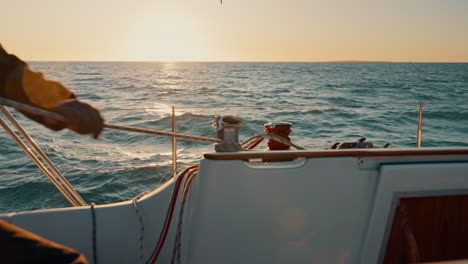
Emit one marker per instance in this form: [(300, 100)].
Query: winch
[(358, 144), (280, 128)]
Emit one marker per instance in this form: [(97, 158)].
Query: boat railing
[(174, 109), (55, 176), (41, 160)]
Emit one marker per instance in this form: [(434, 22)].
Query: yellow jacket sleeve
[(42, 92), (19, 83)]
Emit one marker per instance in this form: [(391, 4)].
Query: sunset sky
[(237, 30)]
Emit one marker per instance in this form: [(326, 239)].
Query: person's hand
[(81, 117)]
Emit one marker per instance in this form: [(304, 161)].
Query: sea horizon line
[(228, 61)]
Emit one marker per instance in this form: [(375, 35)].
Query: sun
[(168, 38)]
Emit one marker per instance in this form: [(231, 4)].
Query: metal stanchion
[(420, 117), (174, 144)]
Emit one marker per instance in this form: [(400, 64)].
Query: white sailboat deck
[(323, 207)]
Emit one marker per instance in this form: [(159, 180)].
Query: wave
[(124, 87), (185, 116), (447, 116), (206, 90), (23, 195), (282, 91), (432, 80), (173, 77), (167, 93), (237, 77), (87, 79), (88, 73), (287, 81), (139, 85)]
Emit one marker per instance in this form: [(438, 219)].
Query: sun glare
[(168, 38)]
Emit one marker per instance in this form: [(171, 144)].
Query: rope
[(177, 243), (53, 115), (163, 178), (93, 215), (251, 142), (142, 227), (279, 106), (10, 217), (155, 132), (169, 214)]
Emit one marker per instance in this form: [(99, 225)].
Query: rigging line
[(163, 178), (261, 106), (53, 169), (137, 108), (289, 105), (343, 104), (441, 102), (95, 169), (162, 133), (295, 105), (39, 164), (36, 110), (56, 116)]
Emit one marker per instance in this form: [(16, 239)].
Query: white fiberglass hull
[(323, 207)]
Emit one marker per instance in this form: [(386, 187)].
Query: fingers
[(81, 117)]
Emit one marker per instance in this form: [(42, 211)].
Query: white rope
[(289, 105)]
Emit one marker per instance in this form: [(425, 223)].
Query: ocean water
[(324, 101)]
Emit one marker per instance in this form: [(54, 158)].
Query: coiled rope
[(252, 142)]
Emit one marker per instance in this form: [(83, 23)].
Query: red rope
[(281, 131), (255, 144), (170, 213)]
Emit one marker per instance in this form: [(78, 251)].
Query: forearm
[(19, 83)]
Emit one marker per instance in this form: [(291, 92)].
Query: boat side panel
[(314, 213), (118, 227), (70, 227)]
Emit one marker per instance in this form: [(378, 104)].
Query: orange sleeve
[(42, 92), (21, 246), (19, 83)]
